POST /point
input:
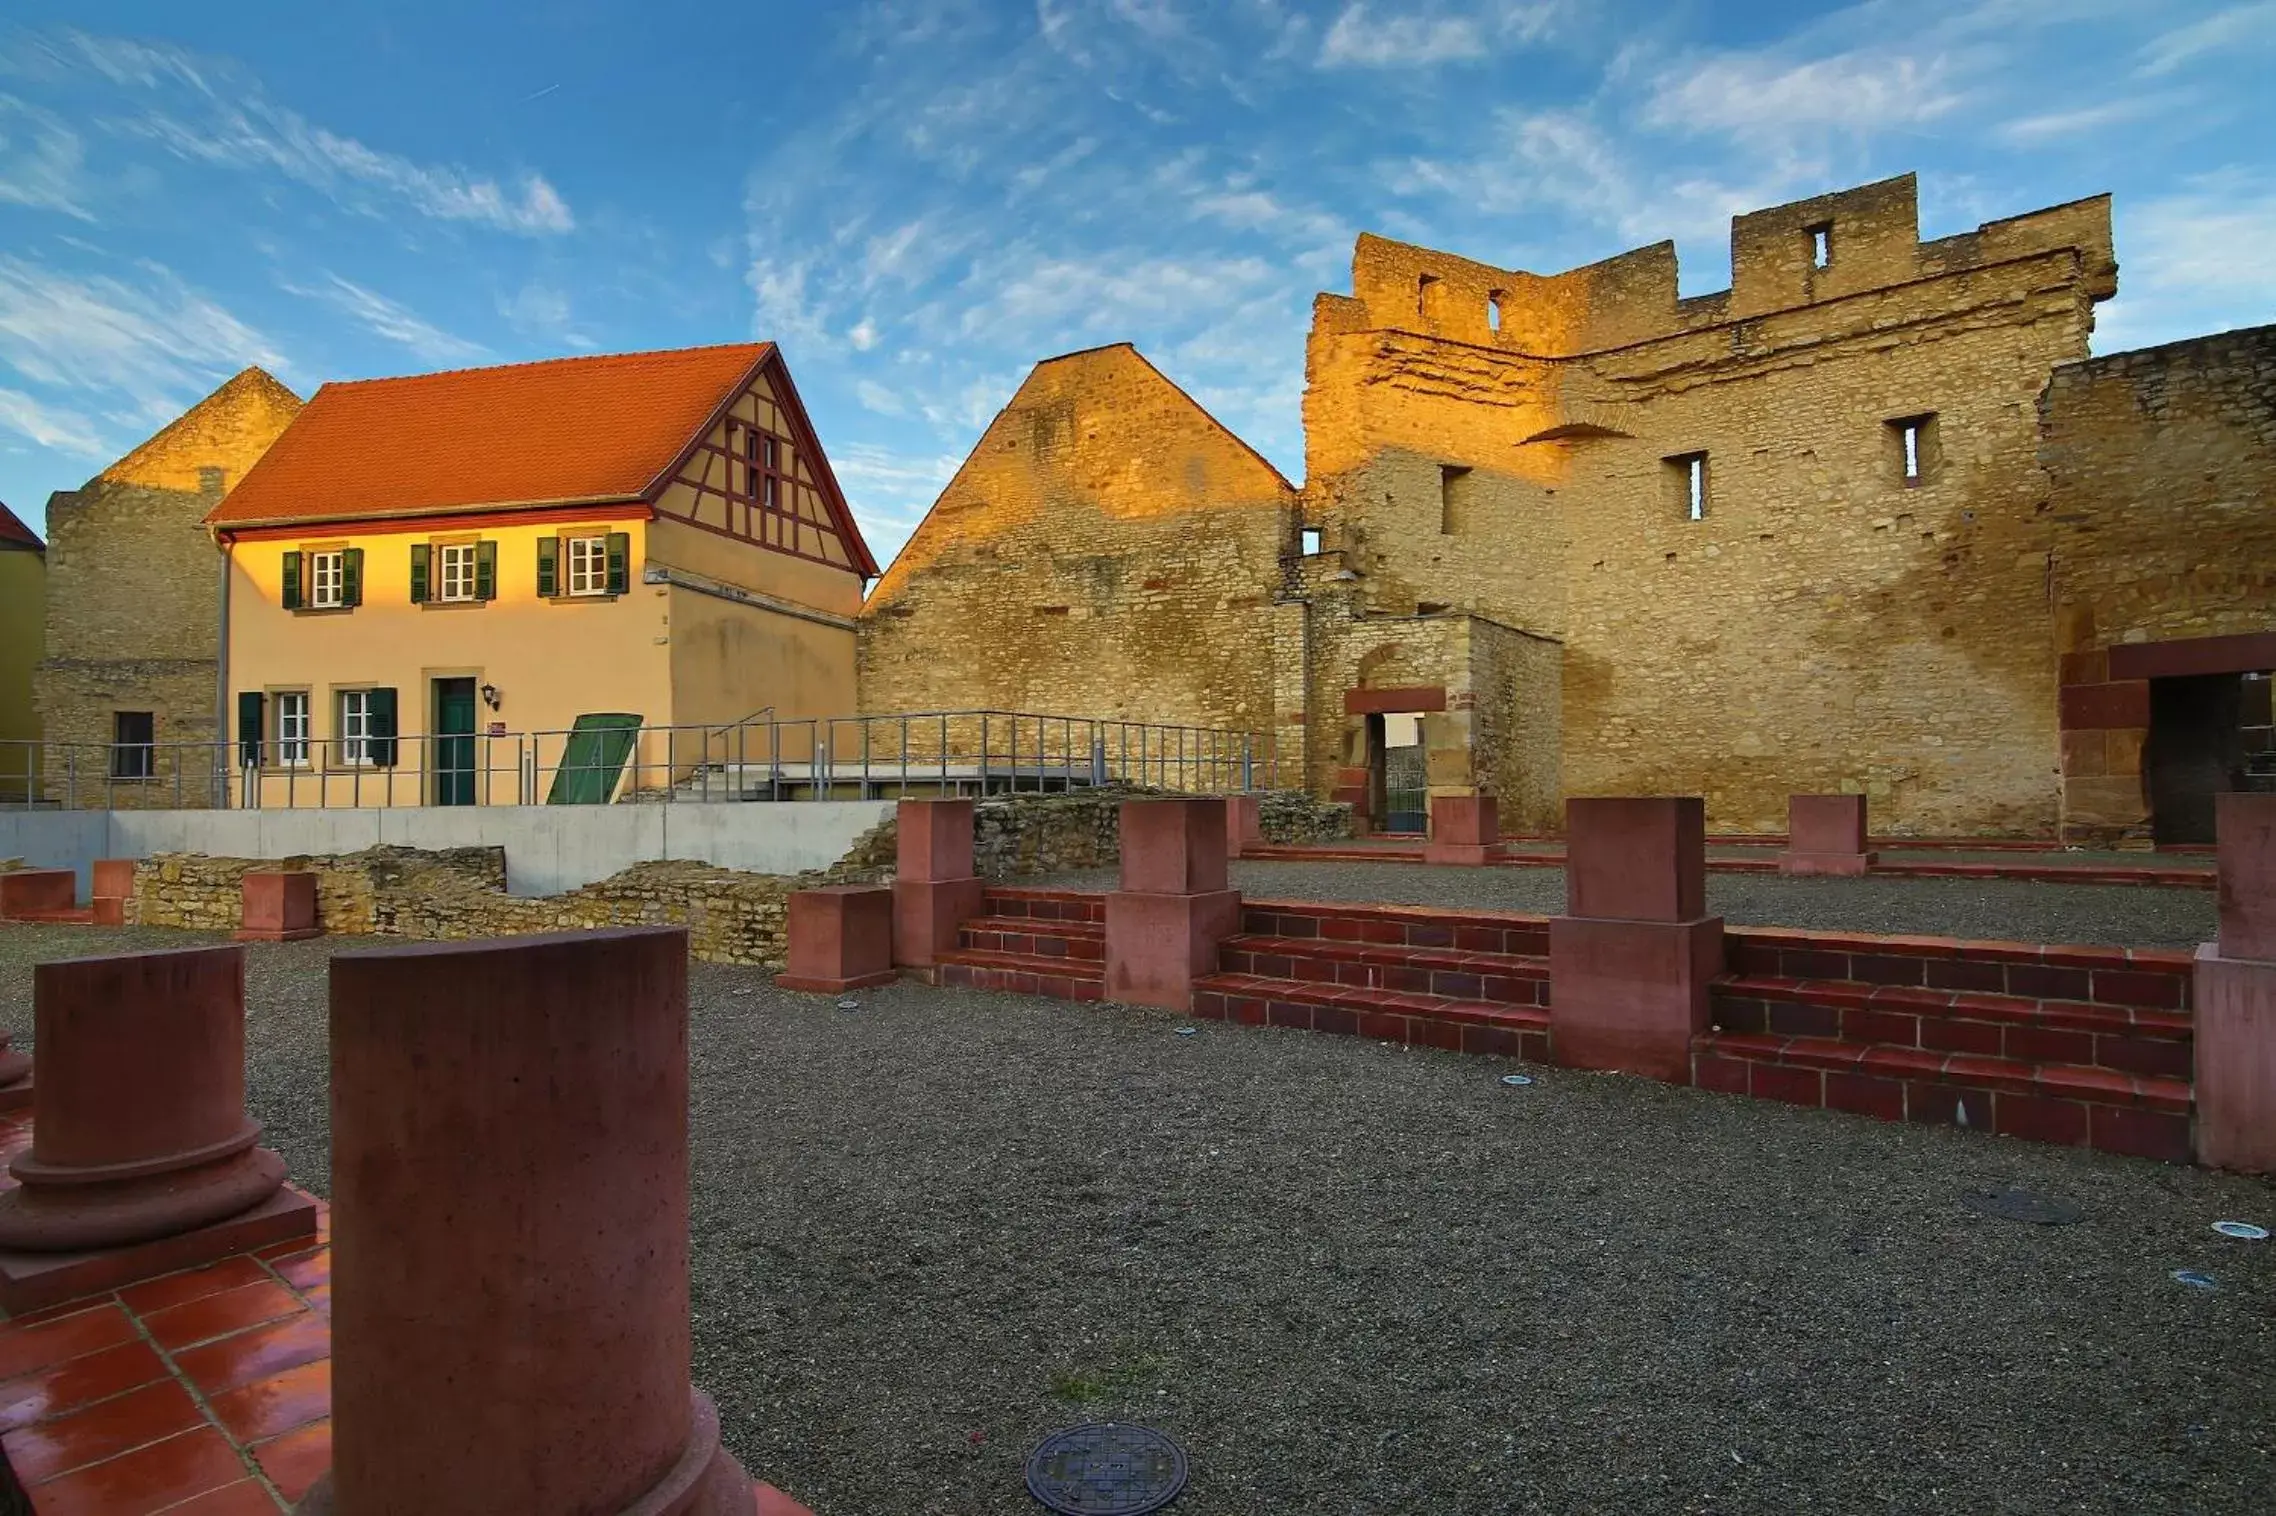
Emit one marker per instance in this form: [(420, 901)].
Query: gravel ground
[(1355, 1279), (2007, 909)]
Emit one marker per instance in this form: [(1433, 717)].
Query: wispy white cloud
[(2057, 126), (156, 344), (391, 319), (2194, 261), (1363, 36), (2240, 28), (1764, 100), (542, 312), (876, 397), (41, 160), (211, 111), (50, 426)]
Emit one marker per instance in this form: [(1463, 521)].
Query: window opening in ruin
[(1915, 439), (1310, 541), (1688, 474), (1455, 492), (1821, 245), (134, 750), (1423, 288), (1494, 311)]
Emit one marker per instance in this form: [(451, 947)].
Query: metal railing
[(762, 757)]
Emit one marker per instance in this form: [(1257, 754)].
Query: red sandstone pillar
[(1825, 834), (1164, 924), (1244, 825), (1631, 959), (510, 1234), (934, 888), (278, 907), (841, 938), (2235, 999), (1463, 829), (113, 888), (142, 1159)]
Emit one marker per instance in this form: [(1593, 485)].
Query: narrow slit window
[(1424, 293), (1914, 449), (1687, 481), (1821, 245), (1454, 501), (1494, 312)]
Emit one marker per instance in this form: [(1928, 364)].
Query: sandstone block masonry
[(1793, 536), (134, 602), (2162, 505)]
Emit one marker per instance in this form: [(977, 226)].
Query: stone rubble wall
[(731, 916)]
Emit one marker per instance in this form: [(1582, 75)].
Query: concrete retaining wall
[(549, 849)]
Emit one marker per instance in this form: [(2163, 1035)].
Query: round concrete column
[(510, 1234), (139, 1127)]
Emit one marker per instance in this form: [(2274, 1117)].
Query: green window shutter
[(293, 599), (485, 570), (352, 576), (419, 554), (383, 726), (620, 562), (548, 567), (249, 718)]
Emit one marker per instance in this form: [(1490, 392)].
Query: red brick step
[(1462, 1026)]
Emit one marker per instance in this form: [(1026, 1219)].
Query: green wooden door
[(594, 759), (454, 742)]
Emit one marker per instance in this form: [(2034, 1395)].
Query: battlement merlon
[(1785, 257)]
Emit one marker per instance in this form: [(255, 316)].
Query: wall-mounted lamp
[(490, 696)]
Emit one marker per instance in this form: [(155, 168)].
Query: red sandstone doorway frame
[(2103, 712), (1363, 786)]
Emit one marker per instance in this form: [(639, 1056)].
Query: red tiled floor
[(275, 1405), (25, 1348), (157, 1295), (220, 1315), (155, 1478), (246, 1498), (306, 1271), (257, 1354), (64, 1387), (103, 1430), (293, 1461)]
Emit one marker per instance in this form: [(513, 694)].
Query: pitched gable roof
[(228, 430), (14, 534), (562, 431)]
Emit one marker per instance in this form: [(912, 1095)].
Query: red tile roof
[(525, 434), (13, 533)]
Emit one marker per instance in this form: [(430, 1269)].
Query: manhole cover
[(1106, 1469), (2242, 1231), (1518, 1080), (2022, 1205), (2195, 1280)]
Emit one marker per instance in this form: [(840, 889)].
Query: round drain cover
[(1519, 1080), (2195, 1280), (2242, 1231), (1106, 1469), (2022, 1205)]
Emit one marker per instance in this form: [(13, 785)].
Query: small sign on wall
[(497, 728)]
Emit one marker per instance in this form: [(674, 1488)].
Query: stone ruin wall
[(1106, 551), (2162, 473), (1825, 626), (133, 598), (731, 916)]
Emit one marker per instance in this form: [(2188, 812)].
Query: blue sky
[(920, 198)]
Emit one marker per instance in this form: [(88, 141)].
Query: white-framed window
[(292, 727), (588, 565), (356, 727), (454, 571), (327, 581)]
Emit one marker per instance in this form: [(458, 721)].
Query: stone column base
[(2235, 1013), (926, 914), (34, 1281), (1157, 945), (1244, 825), (1630, 995), (278, 908), (1831, 865)]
